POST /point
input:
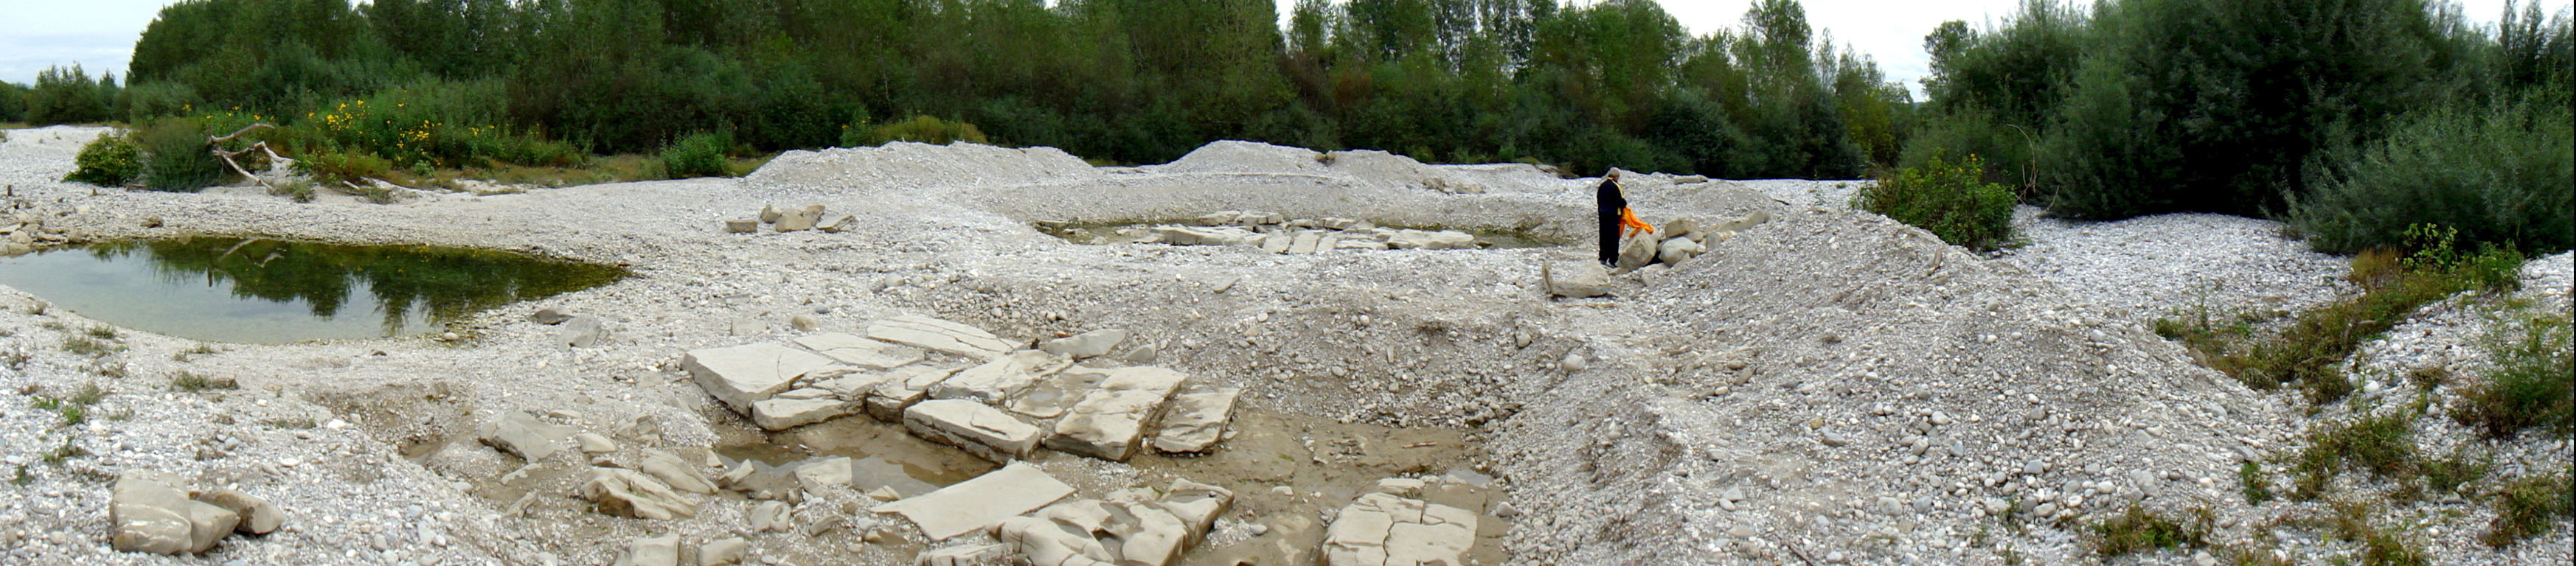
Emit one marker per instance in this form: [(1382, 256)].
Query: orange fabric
[(1630, 225)]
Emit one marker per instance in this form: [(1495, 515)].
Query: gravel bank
[(1829, 384)]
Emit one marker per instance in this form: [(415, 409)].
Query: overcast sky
[(99, 34)]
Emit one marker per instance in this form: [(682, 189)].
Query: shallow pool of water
[(273, 291), (883, 454)]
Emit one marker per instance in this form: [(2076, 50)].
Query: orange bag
[(1629, 225)]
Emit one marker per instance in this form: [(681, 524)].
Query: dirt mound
[(902, 165), (1231, 156)]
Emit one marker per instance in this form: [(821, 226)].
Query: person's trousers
[(1609, 238)]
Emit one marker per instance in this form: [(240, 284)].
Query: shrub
[(1953, 202), (175, 156), (2533, 384), (2309, 352), (926, 129), (344, 166), (2497, 173), (146, 101), (67, 96), (2383, 445), (109, 161), (2138, 530), (699, 155)]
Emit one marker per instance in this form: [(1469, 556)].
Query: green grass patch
[(2350, 522), (193, 382), (2308, 354), (87, 346), (2138, 530), (2526, 507), (2250, 481), (2383, 445), (2534, 383)]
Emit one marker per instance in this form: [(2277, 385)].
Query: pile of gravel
[(906, 165)]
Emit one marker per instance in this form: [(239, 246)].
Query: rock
[(806, 393), (1441, 240), (981, 502), (1277, 243), (741, 226), (1195, 420), (803, 323), (1637, 252), (1197, 505), (1085, 345), (771, 516), (1677, 250), (1306, 242), (885, 493), (860, 351), (837, 470), (800, 219), (981, 430), (740, 375), (723, 551), (845, 224), (941, 335), (674, 472), (901, 388), (523, 435), (761, 481), (1575, 279), (1681, 228), (652, 551), (593, 443), (627, 493), (782, 414), (1050, 397), (581, 332), (1107, 423), (769, 213), (146, 514), (965, 555), (1129, 530), (746, 327), (258, 516), (997, 381), (1384, 529), (1218, 218), (548, 316), (1756, 218), (1400, 487), (1141, 354)]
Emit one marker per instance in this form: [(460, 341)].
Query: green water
[(273, 291)]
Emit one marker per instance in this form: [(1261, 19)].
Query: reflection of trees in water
[(443, 283)]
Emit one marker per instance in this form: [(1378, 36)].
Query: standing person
[(1612, 203)]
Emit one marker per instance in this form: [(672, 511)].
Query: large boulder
[(800, 219), (1677, 250), (1195, 420), (978, 503), (258, 516), (1107, 423), (627, 493), (860, 351), (1637, 252), (940, 335), (741, 375), (146, 514), (978, 429), (1000, 379), (1575, 279)]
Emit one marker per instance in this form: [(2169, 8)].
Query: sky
[(100, 34)]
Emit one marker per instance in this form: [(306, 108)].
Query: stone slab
[(981, 502), (979, 429), (940, 335), (860, 351), (739, 375)]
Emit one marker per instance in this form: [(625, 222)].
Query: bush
[(175, 156), (146, 101), (699, 155), (2137, 530), (68, 96), (109, 161), (2309, 352), (2497, 173), (926, 129), (1954, 202), (2526, 507), (344, 166)]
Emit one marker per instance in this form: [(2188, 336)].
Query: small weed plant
[(2533, 384), (2526, 507), (2138, 530), (1953, 201)]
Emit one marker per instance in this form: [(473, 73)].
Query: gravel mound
[(2164, 265), (903, 165), (1230, 156)]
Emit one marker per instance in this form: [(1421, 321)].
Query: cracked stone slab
[(941, 335), (740, 375), (974, 504), (861, 351)]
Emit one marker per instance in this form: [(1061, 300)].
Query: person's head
[(1614, 175)]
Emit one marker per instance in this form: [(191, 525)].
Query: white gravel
[(1624, 429)]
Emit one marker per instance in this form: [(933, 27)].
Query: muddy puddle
[(883, 455)]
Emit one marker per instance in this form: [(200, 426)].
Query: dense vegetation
[(2353, 119), (1615, 83)]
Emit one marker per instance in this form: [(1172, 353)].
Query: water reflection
[(262, 290)]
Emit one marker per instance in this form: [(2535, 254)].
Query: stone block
[(941, 335), (981, 430), (860, 351), (1196, 420), (740, 375), (981, 502)]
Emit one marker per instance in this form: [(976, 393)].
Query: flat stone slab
[(783, 414), (1109, 421), (860, 351), (1085, 345), (901, 388), (1196, 420), (1050, 397), (981, 502), (739, 375), (1000, 379), (523, 435), (979, 429), (147, 514), (935, 334), (1385, 530)]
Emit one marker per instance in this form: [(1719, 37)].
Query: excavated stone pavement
[(1829, 386)]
